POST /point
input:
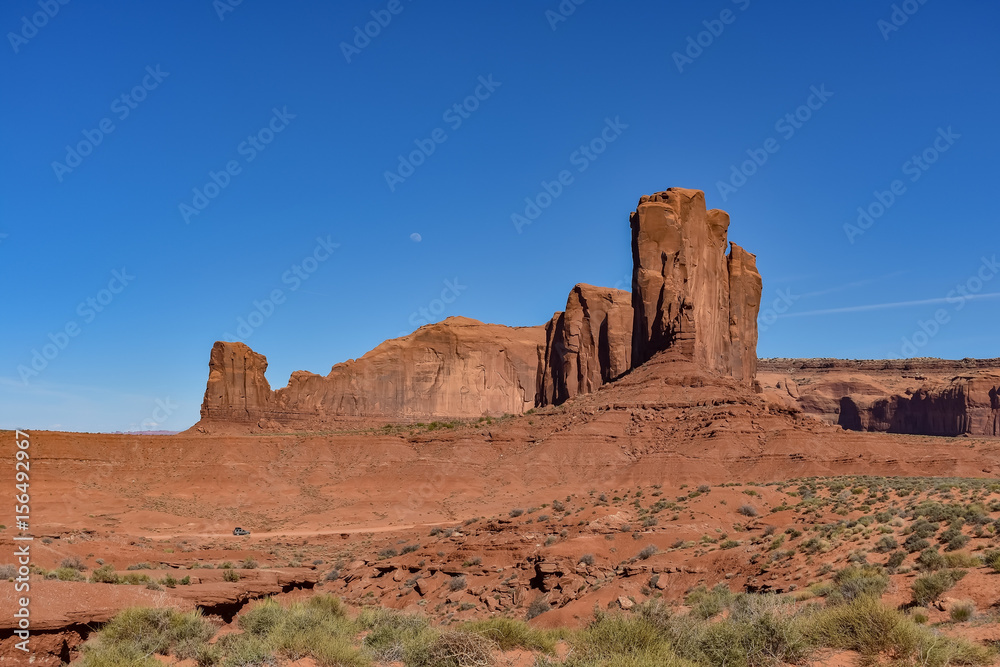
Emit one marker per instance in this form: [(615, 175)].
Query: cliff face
[(237, 390), (686, 293), (689, 297), (457, 368), (913, 396), (587, 345)]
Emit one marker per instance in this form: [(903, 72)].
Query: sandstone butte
[(688, 296)]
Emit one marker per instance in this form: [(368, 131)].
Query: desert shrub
[(885, 544), (74, 563), (913, 543), (134, 579), (962, 559), (388, 552), (646, 552), (69, 574), (618, 641), (929, 587), (8, 571), (131, 637), (962, 611), (707, 603), (896, 559), (516, 512), (748, 510), (231, 576), (459, 648), (332, 575), (930, 560), (510, 634), (139, 566), (456, 583), (992, 559), (586, 559), (854, 582), (104, 575), (249, 564), (537, 607), (396, 637)]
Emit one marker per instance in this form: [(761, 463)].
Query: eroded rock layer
[(686, 293), (587, 345), (457, 368), (237, 390), (914, 396)]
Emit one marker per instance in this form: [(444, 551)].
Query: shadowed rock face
[(587, 345), (914, 396), (964, 406), (686, 293)]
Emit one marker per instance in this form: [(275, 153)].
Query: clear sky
[(168, 164)]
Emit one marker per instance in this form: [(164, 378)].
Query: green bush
[(510, 634), (134, 635), (930, 587), (707, 603), (854, 582)]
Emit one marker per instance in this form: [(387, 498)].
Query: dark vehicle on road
[(240, 531)]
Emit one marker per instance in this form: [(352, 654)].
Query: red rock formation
[(587, 345), (914, 396), (457, 368), (685, 292), (237, 390)]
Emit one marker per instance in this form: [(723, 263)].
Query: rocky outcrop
[(912, 396), (457, 368), (688, 297), (237, 390), (686, 293), (587, 345)]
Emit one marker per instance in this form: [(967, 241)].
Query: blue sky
[(216, 155)]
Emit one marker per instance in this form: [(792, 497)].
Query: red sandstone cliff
[(688, 297), (687, 294), (915, 396), (587, 345)]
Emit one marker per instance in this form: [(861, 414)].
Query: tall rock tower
[(687, 294)]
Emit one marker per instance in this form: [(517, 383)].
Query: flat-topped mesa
[(687, 295), (457, 368), (237, 390), (587, 345)]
